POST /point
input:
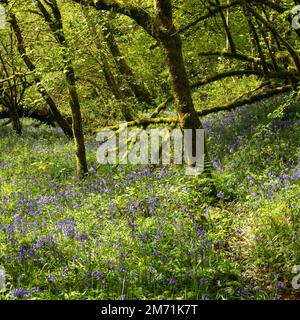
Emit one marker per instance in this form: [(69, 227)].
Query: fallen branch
[(239, 102), (44, 116)]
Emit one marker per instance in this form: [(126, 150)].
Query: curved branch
[(208, 15), (239, 102), (272, 5), (230, 55), (140, 16), (237, 56), (223, 75)]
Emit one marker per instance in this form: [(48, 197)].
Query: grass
[(152, 232)]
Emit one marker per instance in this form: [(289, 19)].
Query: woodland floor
[(152, 232)]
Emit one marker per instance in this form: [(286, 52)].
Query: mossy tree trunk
[(54, 21), (162, 29), (171, 45)]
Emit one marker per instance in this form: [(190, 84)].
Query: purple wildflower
[(202, 281)]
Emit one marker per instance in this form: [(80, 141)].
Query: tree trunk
[(256, 42), (171, 45), (6, 101), (10, 100), (229, 39), (16, 123), (162, 29), (171, 48), (80, 153), (56, 26), (139, 90), (41, 89), (111, 80), (288, 46)]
